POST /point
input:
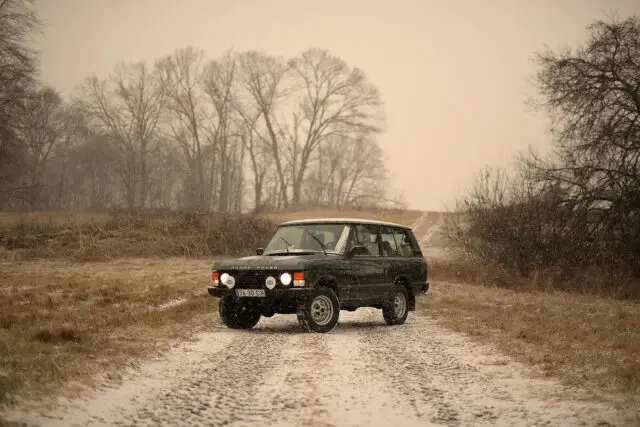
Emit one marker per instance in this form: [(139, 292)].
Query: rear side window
[(407, 243), (389, 242), (367, 236)]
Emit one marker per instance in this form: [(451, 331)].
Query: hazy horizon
[(453, 76)]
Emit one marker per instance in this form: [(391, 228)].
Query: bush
[(512, 233)]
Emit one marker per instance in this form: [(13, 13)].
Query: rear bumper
[(420, 288), (288, 294)]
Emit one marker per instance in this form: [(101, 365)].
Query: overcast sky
[(453, 74)]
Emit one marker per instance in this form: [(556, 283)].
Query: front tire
[(396, 310), (320, 312), (238, 314)]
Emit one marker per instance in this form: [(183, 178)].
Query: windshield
[(309, 238)]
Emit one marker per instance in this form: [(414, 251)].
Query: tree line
[(247, 130), (577, 209)]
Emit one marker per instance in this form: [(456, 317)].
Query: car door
[(414, 257), (368, 267), (391, 259)]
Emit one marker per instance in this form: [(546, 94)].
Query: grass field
[(63, 321)]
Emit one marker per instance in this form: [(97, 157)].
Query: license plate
[(250, 292)]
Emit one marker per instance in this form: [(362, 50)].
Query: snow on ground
[(363, 373)]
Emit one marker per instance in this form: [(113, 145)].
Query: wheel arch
[(328, 281), (403, 280)]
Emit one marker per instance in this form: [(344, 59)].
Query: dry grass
[(587, 281), (401, 216), (61, 321), (584, 340), (122, 235), (12, 219)]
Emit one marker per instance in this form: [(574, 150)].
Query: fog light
[(231, 282), (270, 282)]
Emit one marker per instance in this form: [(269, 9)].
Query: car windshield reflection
[(302, 238)]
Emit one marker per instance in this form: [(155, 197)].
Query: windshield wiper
[(287, 243), (324, 248)]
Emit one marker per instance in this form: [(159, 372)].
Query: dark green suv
[(314, 268)]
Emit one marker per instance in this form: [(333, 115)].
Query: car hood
[(271, 262)]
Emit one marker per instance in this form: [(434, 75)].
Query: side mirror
[(259, 251), (357, 250)]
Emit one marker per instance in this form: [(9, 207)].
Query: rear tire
[(238, 314), (320, 312), (396, 310)]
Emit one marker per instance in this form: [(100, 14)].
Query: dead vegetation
[(584, 340), (154, 233), (63, 321), (572, 220), (125, 235)]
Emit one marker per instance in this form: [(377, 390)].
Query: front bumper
[(289, 294)]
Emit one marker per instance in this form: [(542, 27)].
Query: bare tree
[(256, 147), (74, 134), (128, 106), (593, 95), (182, 74), (168, 162), (335, 99), (40, 126), (219, 86), (19, 22), (264, 81), (348, 171), (91, 173)]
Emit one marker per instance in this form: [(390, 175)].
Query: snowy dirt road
[(363, 373)]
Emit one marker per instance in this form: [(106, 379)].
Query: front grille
[(252, 279)]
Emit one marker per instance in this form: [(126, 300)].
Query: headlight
[(270, 282), (285, 279), (228, 280)]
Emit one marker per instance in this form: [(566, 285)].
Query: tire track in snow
[(451, 381)]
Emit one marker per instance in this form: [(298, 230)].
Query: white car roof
[(344, 221)]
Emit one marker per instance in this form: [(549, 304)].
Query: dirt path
[(363, 373)]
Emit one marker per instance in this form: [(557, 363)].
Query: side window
[(403, 240), (367, 236), (389, 244)]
